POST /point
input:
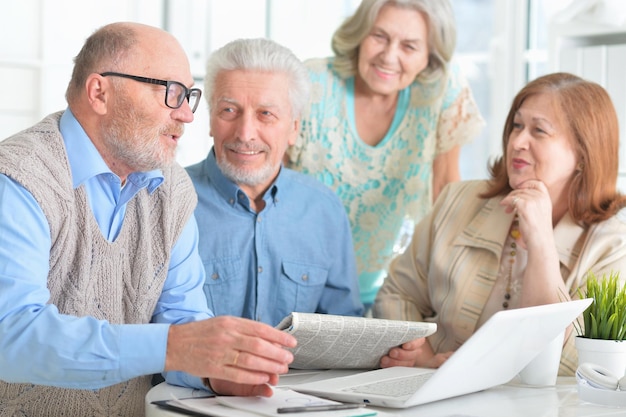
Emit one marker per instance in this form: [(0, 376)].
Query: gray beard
[(245, 177)]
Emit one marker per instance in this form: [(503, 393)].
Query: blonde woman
[(388, 115)]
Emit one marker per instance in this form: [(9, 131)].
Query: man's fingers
[(269, 333), (255, 352), (232, 388)]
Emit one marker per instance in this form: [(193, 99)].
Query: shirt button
[(305, 277), (231, 201), (258, 219), (260, 269), (215, 275)]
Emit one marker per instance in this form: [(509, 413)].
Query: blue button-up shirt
[(294, 255), (37, 343)]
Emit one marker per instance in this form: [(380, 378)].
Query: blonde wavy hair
[(441, 35)]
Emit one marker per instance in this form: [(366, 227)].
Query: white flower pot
[(610, 354)]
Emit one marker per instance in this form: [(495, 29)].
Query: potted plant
[(601, 339)]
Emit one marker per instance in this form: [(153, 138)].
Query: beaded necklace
[(515, 234)]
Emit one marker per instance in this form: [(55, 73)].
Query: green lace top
[(387, 187)]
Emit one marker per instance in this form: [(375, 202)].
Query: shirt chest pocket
[(222, 271), (223, 286), (301, 286)]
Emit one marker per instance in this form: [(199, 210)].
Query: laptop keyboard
[(397, 387)]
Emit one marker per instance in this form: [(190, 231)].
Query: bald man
[(100, 277)]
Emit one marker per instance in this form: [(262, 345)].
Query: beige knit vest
[(115, 281)]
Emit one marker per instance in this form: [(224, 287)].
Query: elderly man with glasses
[(100, 276)]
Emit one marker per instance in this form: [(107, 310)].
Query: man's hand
[(239, 355), (221, 386)]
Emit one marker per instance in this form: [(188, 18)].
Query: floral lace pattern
[(385, 185)]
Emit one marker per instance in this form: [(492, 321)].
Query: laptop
[(494, 355)]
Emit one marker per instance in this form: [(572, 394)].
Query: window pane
[(474, 19)]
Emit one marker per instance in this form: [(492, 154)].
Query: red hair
[(587, 110)]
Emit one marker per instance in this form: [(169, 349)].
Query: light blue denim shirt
[(295, 255), (82, 352)]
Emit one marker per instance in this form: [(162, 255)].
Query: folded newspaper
[(327, 341)]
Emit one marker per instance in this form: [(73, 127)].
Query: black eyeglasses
[(175, 92)]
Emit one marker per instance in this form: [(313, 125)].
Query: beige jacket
[(447, 273)]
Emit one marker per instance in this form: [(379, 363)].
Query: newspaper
[(328, 341)]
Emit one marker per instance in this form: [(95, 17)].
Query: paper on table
[(267, 406), (209, 407)]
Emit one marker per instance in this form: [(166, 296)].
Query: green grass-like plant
[(605, 318)]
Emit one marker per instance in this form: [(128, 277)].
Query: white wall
[(39, 40), (591, 43)]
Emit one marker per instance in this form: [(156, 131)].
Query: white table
[(510, 400)]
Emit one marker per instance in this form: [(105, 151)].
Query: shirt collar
[(231, 192), (86, 162), (490, 226)]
